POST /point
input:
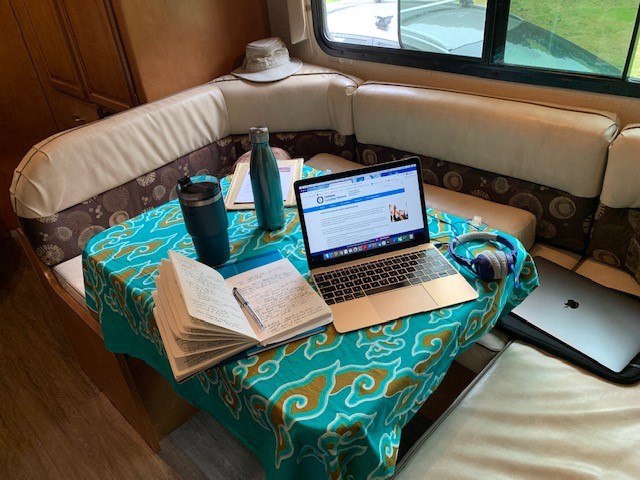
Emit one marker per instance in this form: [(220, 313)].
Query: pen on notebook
[(243, 303)]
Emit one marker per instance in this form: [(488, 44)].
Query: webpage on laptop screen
[(361, 212)]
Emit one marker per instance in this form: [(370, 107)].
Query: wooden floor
[(55, 424)]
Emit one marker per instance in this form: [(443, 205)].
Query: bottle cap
[(259, 134)]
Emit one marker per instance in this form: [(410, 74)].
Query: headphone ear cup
[(487, 266), (504, 266)]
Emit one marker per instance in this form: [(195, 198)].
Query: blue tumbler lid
[(199, 190)]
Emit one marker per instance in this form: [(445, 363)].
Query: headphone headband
[(485, 237)]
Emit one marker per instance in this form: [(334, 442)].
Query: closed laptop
[(601, 323)]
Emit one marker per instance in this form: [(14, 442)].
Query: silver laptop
[(367, 244), (602, 323)]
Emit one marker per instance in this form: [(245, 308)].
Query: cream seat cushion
[(609, 276), (515, 221), (532, 416), (556, 146), (69, 274), (560, 256)]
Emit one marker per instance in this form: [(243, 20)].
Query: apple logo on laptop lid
[(572, 304)]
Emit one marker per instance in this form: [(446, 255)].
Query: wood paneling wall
[(25, 116), (169, 45), (172, 45)]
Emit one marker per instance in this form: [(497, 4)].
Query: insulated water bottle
[(265, 181), (205, 218)]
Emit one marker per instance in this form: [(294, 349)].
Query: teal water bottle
[(265, 181)]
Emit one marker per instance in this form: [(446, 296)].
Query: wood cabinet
[(175, 44), (43, 26), (90, 58), (76, 50), (113, 54), (101, 58), (25, 117), (70, 112)]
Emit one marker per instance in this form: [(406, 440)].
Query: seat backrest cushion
[(81, 181), (546, 159), (72, 166), (307, 113), (615, 239), (314, 98)]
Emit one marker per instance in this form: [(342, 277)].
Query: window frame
[(483, 67)]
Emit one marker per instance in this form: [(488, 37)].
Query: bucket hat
[(267, 60)]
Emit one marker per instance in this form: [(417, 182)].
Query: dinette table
[(328, 406)]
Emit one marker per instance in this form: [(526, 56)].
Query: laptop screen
[(364, 212)]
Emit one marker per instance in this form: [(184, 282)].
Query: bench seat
[(69, 274), (532, 416), (609, 276)]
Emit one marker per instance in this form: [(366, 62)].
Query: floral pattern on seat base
[(306, 144), (615, 239)]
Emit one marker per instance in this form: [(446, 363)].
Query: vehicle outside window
[(453, 27), (592, 41)]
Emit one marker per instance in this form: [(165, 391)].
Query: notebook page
[(207, 296), (282, 298)]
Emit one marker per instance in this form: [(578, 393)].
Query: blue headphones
[(487, 265)]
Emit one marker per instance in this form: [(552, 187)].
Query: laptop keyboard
[(381, 275)]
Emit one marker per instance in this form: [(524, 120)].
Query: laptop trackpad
[(402, 301)]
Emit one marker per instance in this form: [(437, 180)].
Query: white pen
[(243, 303)]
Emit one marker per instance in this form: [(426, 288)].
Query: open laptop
[(602, 323), (367, 242)]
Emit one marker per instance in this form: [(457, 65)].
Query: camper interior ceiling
[(523, 120)]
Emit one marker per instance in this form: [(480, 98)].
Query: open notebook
[(201, 322)]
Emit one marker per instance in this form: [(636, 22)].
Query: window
[(581, 44)]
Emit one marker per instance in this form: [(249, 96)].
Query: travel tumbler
[(205, 218)]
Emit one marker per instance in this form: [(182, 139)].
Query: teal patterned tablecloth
[(329, 406)]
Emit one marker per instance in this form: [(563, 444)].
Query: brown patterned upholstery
[(63, 236), (615, 239), (563, 219), (305, 144)]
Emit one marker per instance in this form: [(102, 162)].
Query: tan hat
[(267, 60)]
